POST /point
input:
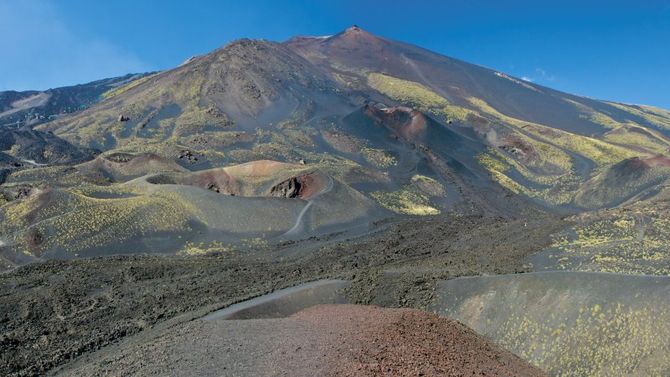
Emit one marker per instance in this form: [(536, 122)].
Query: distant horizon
[(612, 51)]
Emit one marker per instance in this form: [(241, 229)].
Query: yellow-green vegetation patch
[(492, 163), (346, 143), (594, 116), (378, 157), (598, 151), (51, 174), (647, 140), (602, 341), (416, 95), (603, 120), (407, 201), (345, 170), (124, 88), (276, 151), (195, 119), (557, 190), (14, 215), (497, 169), (569, 323), (342, 141), (652, 115), (428, 185), (302, 138), (547, 164), (407, 91), (204, 248), (77, 220), (633, 241)]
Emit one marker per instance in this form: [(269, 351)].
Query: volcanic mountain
[(354, 118), (264, 165)]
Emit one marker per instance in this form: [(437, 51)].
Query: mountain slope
[(354, 53), (544, 143), (403, 130), (33, 107), (265, 100)]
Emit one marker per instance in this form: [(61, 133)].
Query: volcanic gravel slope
[(325, 340), (370, 341), (55, 312)]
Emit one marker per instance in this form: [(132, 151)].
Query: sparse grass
[(654, 116), (598, 151), (651, 144), (124, 88), (378, 157), (594, 116), (418, 96), (608, 340), (428, 185), (204, 248), (629, 241), (407, 201), (557, 190)]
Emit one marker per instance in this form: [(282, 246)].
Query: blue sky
[(616, 50)]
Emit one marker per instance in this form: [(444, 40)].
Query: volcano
[(264, 165), (398, 129)]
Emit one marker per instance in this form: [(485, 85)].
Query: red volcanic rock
[(324, 340), (304, 186), (637, 164), (372, 341), (405, 122), (218, 181), (657, 161)]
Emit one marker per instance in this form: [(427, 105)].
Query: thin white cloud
[(539, 75), (40, 51)]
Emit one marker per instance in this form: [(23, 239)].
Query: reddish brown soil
[(371, 341), (310, 185), (408, 123), (657, 161), (325, 340), (217, 180)]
